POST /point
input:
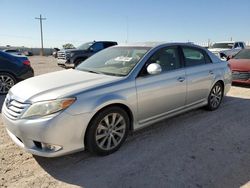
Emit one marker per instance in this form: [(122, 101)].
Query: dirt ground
[(196, 149)]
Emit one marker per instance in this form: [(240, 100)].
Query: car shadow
[(195, 149), (2, 98)]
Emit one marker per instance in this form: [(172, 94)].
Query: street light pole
[(41, 28)]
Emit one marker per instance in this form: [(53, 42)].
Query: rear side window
[(193, 57), (241, 45)]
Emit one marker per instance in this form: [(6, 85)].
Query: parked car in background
[(55, 51), (119, 89), (240, 65), (225, 49), (27, 53), (13, 51), (13, 68), (70, 58)]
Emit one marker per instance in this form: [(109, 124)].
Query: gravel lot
[(196, 149)]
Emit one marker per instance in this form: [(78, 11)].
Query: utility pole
[(127, 29), (41, 28)]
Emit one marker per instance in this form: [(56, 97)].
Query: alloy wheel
[(216, 96), (110, 131), (6, 82)]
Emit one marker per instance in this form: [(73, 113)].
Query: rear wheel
[(6, 82), (215, 97), (108, 130)]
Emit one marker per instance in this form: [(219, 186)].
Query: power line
[(41, 28)]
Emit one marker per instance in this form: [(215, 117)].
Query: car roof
[(228, 42), (5, 50), (156, 44), (104, 41)]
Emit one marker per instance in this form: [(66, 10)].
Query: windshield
[(223, 45), (117, 61), (243, 54), (85, 46)]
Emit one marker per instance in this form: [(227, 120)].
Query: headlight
[(40, 109)]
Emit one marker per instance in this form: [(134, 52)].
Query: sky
[(79, 21)]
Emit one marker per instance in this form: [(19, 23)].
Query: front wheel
[(215, 97), (108, 130)]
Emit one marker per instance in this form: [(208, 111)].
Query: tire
[(6, 82), (107, 131), (215, 97)]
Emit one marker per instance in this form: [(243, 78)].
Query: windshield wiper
[(112, 74), (91, 71)]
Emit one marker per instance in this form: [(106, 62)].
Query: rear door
[(162, 93), (200, 74)]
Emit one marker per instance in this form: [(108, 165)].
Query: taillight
[(26, 62)]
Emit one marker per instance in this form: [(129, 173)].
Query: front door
[(160, 94)]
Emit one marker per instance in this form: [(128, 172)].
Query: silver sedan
[(120, 89)]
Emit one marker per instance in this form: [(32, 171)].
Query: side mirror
[(91, 49), (238, 48), (154, 68)]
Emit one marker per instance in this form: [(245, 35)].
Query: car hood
[(58, 84), (217, 50), (73, 51), (240, 64)]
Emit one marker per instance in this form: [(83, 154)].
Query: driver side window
[(167, 58)]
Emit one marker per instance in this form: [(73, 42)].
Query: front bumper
[(241, 77), (65, 63), (61, 62), (242, 81), (64, 130)]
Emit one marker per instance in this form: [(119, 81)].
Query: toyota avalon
[(120, 89)]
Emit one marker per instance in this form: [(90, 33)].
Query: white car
[(225, 49)]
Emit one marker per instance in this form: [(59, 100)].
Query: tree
[(68, 46)]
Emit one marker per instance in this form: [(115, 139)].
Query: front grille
[(13, 108), (63, 55), (240, 75)]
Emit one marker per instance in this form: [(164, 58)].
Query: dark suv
[(70, 58)]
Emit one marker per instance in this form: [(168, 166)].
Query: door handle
[(211, 72), (181, 79)]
